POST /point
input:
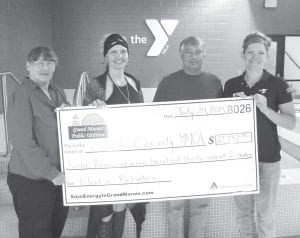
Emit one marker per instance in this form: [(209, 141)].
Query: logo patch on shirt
[(262, 91), (289, 89)]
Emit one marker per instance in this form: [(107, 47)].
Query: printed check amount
[(158, 151)]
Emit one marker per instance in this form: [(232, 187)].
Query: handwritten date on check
[(158, 151)]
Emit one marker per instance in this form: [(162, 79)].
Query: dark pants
[(39, 207), (138, 212)]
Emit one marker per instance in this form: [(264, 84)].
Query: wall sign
[(161, 30)]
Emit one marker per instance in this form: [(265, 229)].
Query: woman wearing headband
[(114, 86)]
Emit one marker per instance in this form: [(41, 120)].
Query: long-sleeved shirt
[(32, 130)]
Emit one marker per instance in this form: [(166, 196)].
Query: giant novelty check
[(159, 151)]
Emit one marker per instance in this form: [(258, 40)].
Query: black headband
[(112, 40)]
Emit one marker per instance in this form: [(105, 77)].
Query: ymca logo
[(161, 30)]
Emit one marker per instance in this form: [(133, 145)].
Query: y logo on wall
[(161, 31)]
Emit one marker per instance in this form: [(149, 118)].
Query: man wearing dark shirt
[(189, 83)]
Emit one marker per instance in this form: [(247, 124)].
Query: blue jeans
[(256, 213), (197, 217)]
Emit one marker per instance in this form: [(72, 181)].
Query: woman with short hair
[(274, 108), (34, 175)]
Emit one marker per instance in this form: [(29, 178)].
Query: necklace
[(127, 98)]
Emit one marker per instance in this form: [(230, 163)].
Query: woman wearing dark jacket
[(113, 87), (34, 175)]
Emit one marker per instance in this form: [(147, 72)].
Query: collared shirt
[(32, 130), (277, 92)]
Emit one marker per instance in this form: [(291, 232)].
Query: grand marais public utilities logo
[(92, 126), (161, 31)]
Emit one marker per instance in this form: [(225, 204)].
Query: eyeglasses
[(43, 63)]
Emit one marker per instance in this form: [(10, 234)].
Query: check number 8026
[(239, 108)]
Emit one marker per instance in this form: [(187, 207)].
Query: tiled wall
[(78, 27), (75, 27), (23, 25)]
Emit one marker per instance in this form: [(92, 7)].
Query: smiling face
[(192, 56), (41, 71), (117, 57), (255, 57)]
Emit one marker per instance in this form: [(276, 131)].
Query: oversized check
[(158, 151)]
